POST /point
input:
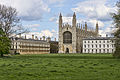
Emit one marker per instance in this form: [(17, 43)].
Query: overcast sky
[(41, 16)]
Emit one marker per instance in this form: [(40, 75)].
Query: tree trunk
[(1, 55)]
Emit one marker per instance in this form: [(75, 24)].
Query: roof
[(53, 41), (22, 39), (98, 38)]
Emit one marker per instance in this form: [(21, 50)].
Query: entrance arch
[(67, 50)]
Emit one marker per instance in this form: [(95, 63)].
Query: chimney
[(32, 36), (44, 38), (36, 38), (55, 39), (19, 35), (48, 39), (40, 38), (25, 37), (106, 35)]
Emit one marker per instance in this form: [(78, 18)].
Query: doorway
[(67, 50)]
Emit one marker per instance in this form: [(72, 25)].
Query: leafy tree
[(9, 25), (116, 18), (4, 43)]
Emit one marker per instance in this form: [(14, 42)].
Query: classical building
[(98, 45), (30, 46), (70, 36)]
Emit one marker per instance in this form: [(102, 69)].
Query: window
[(107, 41), (112, 45), (103, 41), (88, 41), (88, 46), (112, 50), (96, 41), (100, 41), (99, 50), (112, 41), (85, 46), (88, 51), (92, 50), (85, 50), (92, 41), (85, 41), (108, 46), (100, 45), (96, 50), (96, 46), (104, 45), (107, 50), (103, 50), (92, 46), (67, 37)]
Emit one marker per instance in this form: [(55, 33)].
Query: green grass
[(60, 67)]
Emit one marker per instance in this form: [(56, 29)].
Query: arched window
[(67, 37)]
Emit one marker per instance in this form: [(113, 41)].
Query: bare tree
[(9, 21)]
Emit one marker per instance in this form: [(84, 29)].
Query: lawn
[(60, 67)]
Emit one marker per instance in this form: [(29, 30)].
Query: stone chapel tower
[(60, 34), (74, 33)]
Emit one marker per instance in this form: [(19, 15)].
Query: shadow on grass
[(65, 57), (5, 56)]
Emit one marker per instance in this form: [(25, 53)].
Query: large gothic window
[(67, 37)]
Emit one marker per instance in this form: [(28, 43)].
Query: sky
[(40, 17)]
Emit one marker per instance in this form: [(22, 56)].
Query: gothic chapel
[(70, 36)]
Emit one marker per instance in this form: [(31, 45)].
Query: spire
[(74, 20), (97, 27), (85, 26), (60, 20), (74, 15), (60, 15), (81, 26)]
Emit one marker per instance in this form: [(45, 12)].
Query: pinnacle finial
[(74, 14), (60, 14)]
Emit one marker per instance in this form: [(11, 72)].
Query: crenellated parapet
[(66, 25)]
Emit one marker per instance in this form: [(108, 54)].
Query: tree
[(116, 18), (9, 25), (9, 21), (4, 43)]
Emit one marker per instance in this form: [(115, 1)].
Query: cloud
[(32, 27), (28, 9), (52, 19), (55, 1), (95, 9), (92, 23), (109, 30), (46, 33)]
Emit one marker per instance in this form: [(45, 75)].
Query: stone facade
[(99, 45), (70, 36), (30, 46)]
